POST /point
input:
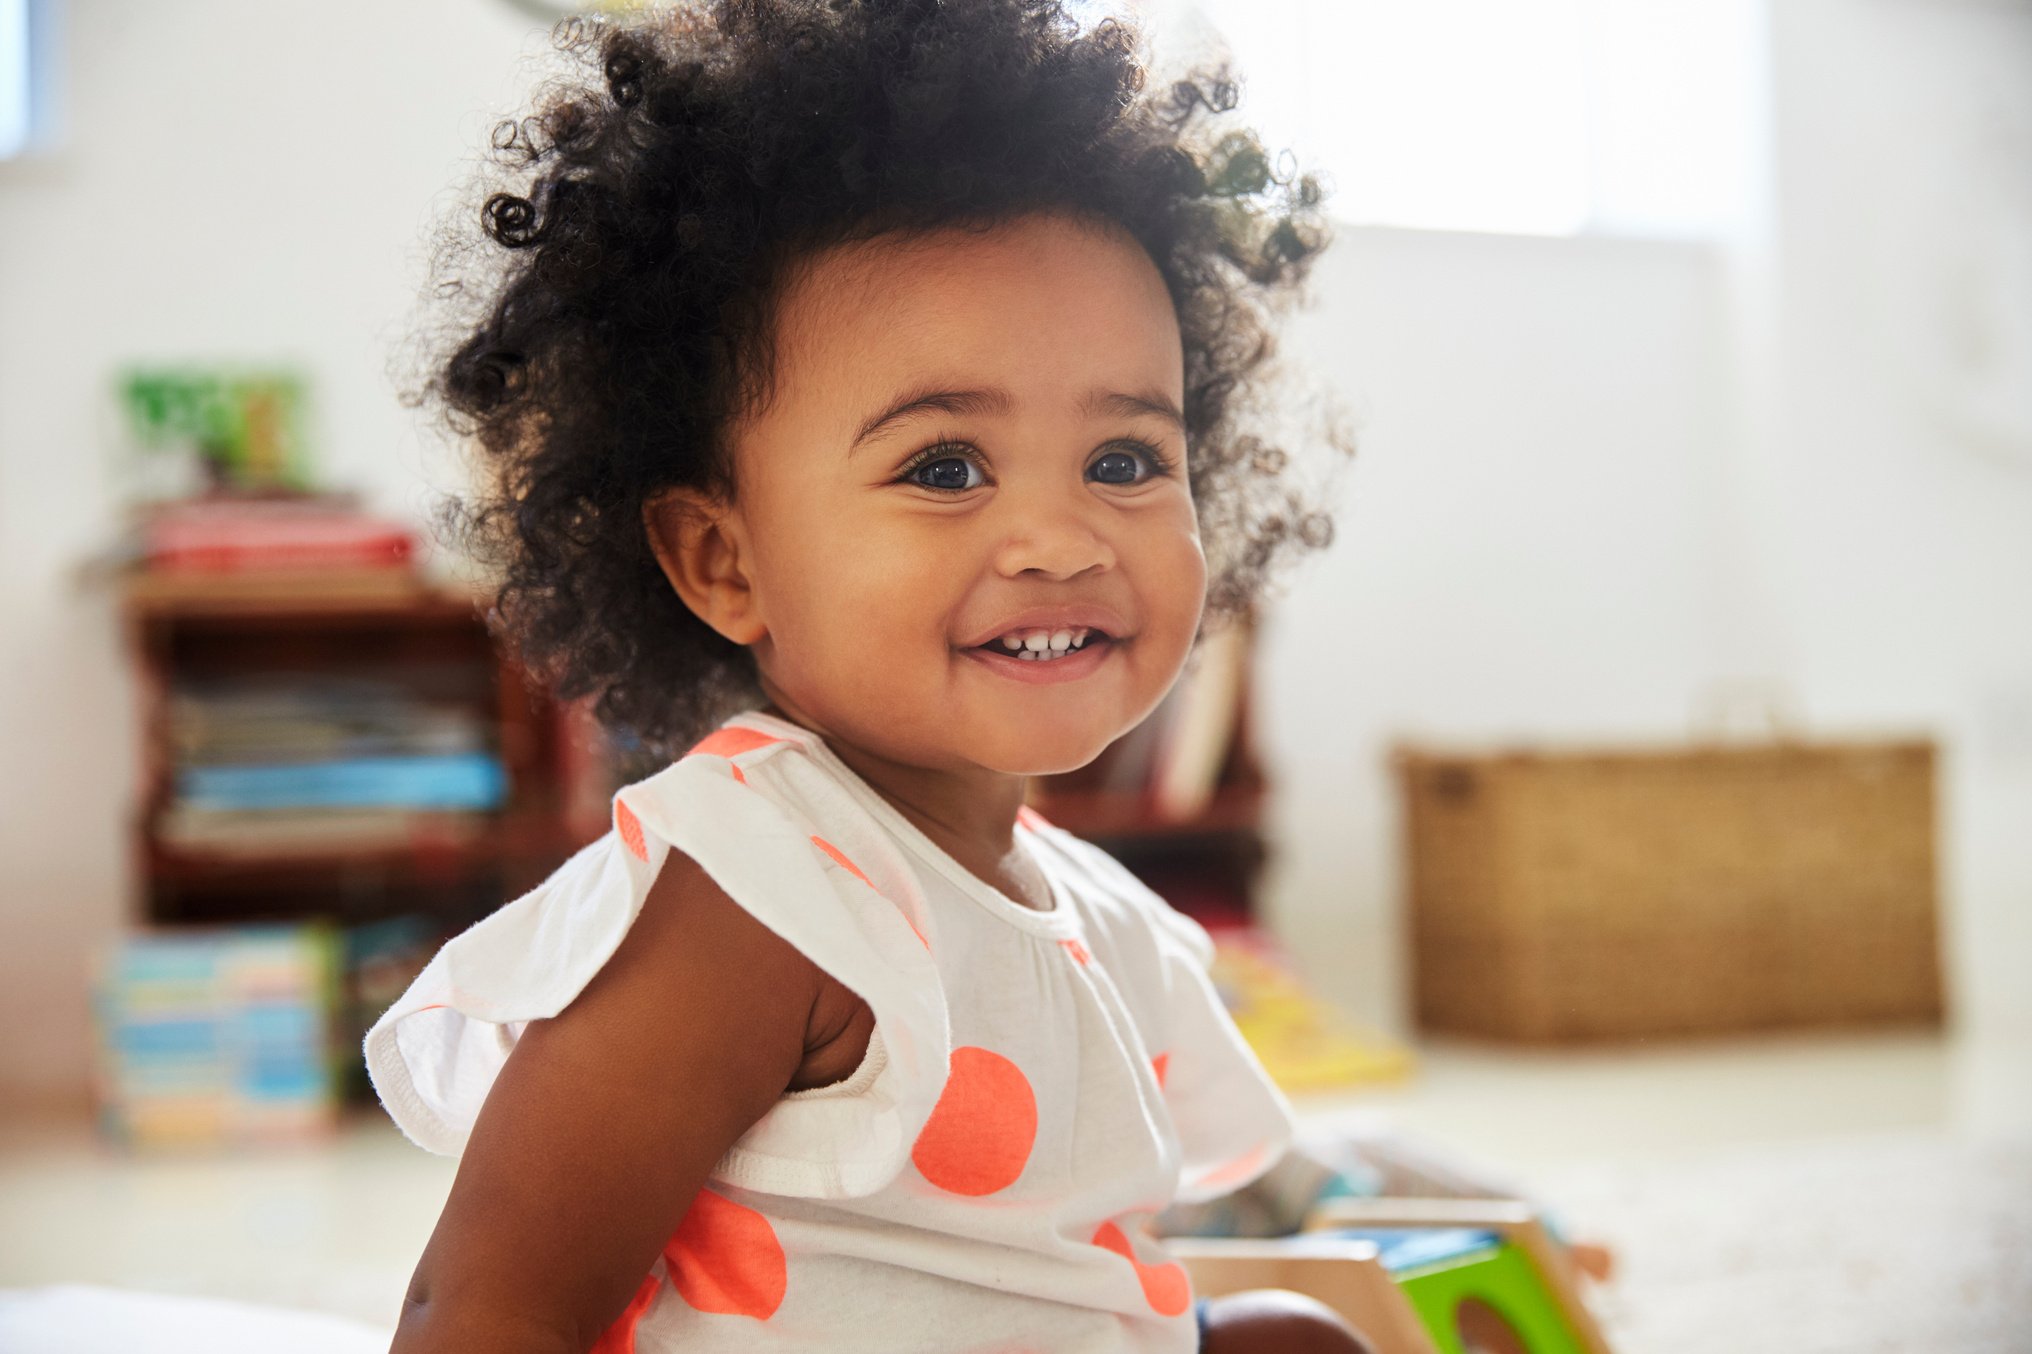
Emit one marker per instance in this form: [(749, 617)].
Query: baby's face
[(883, 554)]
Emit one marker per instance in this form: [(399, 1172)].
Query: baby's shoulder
[(773, 758), (761, 793), (755, 787), (761, 760), (740, 824)]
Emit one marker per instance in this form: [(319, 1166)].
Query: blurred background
[(1633, 806)]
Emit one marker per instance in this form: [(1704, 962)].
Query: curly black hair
[(617, 314)]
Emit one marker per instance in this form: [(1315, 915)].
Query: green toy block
[(1498, 1287)]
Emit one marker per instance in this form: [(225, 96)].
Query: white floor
[(336, 1228)]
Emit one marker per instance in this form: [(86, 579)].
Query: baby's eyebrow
[(989, 401), (1150, 402), (994, 400)]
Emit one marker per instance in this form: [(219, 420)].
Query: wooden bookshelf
[(394, 594), (384, 622), (433, 874), (337, 621)]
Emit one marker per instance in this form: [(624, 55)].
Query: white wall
[(1528, 544), (1595, 474), (239, 181), (1599, 477), (1903, 328)]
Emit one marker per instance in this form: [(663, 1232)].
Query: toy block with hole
[(1483, 1275), (1346, 1275)]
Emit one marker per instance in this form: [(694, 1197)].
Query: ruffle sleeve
[(1231, 1120), (435, 1053), (1233, 1123)]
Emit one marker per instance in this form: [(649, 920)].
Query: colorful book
[(1304, 1043), (461, 781), (217, 1035), (236, 535)]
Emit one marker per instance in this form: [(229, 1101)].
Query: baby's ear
[(698, 545)]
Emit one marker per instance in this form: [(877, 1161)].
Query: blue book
[(454, 781)]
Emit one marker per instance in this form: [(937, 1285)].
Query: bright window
[(23, 44), (1547, 117)]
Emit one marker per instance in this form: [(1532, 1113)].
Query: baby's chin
[(1009, 729), (1018, 752)]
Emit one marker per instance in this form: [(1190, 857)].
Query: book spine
[(220, 558), (450, 782)]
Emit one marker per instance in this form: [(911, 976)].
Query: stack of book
[(274, 765), (238, 534), (217, 1036)]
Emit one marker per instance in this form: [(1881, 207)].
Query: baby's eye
[(952, 473), (1118, 466)]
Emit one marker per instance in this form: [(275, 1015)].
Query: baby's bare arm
[(604, 1122)]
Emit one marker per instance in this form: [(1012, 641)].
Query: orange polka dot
[(1031, 818), (1165, 1286), (619, 1338), (732, 742), (630, 828), (737, 773), (1160, 1065), (980, 1133), (1076, 950), (725, 1258)]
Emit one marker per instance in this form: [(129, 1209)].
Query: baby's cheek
[(1174, 578), (860, 643)]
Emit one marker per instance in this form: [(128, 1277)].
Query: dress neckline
[(1060, 920)]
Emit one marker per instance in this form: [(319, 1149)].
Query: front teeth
[(1042, 646)]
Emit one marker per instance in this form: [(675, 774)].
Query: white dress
[(1037, 1086)]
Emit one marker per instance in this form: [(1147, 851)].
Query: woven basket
[(1609, 895)]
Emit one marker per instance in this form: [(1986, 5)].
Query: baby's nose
[(1054, 541)]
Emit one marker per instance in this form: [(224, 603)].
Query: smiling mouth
[(1040, 647)]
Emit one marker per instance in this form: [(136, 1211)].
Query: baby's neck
[(972, 818)]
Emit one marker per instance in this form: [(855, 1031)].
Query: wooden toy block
[(1464, 1276), (1347, 1276), (1519, 1296)]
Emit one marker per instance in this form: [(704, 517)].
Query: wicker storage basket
[(1588, 896)]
